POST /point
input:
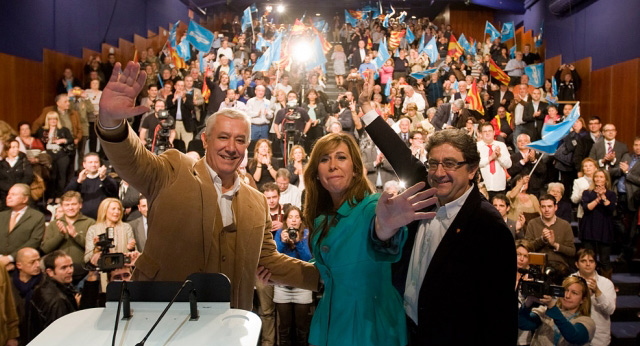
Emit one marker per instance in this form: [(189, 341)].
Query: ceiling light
[(280, 8)]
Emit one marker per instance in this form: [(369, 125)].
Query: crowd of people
[(317, 163)]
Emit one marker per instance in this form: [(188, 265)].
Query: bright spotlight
[(301, 51), (317, 14), (280, 8), (269, 8)]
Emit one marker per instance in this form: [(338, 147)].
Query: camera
[(293, 233), (161, 141), (109, 261), (542, 276)]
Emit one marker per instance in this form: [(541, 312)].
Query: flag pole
[(536, 165)]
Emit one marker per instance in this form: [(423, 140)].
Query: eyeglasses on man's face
[(447, 165)]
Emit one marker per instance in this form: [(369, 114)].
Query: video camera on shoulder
[(542, 278), (109, 261)]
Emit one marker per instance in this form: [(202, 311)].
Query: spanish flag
[(455, 50), (177, 61), (326, 46), (355, 14), (474, 100), (394, 39), (496, 72)]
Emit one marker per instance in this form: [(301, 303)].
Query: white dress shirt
[(224, 199), (498, 180)]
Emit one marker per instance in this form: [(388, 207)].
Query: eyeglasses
[(447, 165)]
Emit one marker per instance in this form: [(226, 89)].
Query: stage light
[(301, 51), (413, 17), (269, 8), (317, 14), (280, 8)]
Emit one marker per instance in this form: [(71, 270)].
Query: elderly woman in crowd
[(564, 207), (58, 142), (565, 321), (341, 208), (596, 226), (109, 217)]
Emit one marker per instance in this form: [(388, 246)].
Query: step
[(624, 333), (626, 283), (627, 309)]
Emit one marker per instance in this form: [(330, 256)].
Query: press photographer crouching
[(158, 132), (563, 314), (293, 304), (292, 123)]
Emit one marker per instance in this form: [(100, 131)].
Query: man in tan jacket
[(202, 218)]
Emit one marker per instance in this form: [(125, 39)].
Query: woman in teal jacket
[(359, 305)]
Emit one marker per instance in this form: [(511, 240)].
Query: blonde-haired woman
[(297, 161), (563, 322), (263, 166), (58, 141), (110, 214), (339, 61)]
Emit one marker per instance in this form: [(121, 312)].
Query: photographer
[(154, 128), (564, 321), (293, 304), (109, 216), (292, 123)]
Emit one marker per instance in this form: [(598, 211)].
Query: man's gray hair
[(459, 103), (229, 113), (523, 134), (26, 189)]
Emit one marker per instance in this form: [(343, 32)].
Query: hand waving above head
[(118, 97)]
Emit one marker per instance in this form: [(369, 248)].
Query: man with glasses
[(608, 152), (434, 273)]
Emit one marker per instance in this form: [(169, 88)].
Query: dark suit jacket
[(632, 182), (356, 60), (138, 232), (599, 150), (537, 178), (187, 108), (533, 125), (442, 116), (508, 96), (27, 232), (478, 237), (583, 148)]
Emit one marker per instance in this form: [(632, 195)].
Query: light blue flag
[(508, 31), (264, 62), (538, 37), (172, 35), (396, 53), (349, 19), (553, 134), (387, 88), (200, 37), (325, 28), (455, 86), (319, 24), (317, 58), (491, 30), (385, 22), (423, 74), (160, 81), (254, 8), (261, 42), (246, 19), (535, 73), (462, 41), (383, 54), (201, 62), (402, 16), (276, 47), (233, 76), (421, 44), (184, 50), (473, 50), (410, 36), (554, 87), (432, 50), (512, 52)]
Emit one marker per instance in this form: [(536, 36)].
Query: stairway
[(331, 88), (625, 321)]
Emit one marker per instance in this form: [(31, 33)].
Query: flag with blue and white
[(462, 41), (410, 36), (423, 74), (172, 35), (512, 52), (553, 134), (383, 54), (348, 18), (246, 19), (508, 31), (317, 57), (200, 37), (184, 50), (491, 30), (535, 73), (431, 49)]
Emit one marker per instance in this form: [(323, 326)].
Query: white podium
[(217, 323)]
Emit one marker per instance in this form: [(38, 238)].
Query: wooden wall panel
[(551, 65), (139, 43), (88, 53), (105, 51), (54, 64), (601, 93), (470, 22), (127, 50), (21, 98), (624, 105), (584, 94)]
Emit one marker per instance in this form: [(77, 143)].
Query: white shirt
[(519, 111), (228, 52), (498, 180), (601, 310), (239, 105), (428, 237), (224, 199), (417, 99), (292, 195), (253, 107)]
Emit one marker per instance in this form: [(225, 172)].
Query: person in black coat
[(569, 85), (534, 114), (14, 169), (59, 144), (318, 114), (476, 235)]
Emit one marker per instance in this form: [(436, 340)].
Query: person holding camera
[(568, 84), (152, 126), (109, 221), (293, 304), (565, 321), (292, 123)]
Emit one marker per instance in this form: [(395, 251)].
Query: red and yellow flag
[(394, 39), (496, 72), (206, 92), (297, 28), (455, 50), (355, 14), (177, 60), (474, 100)]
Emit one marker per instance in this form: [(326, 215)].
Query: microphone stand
[(141, 343)]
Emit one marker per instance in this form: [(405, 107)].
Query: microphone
[(193, 305), (184, 284)]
